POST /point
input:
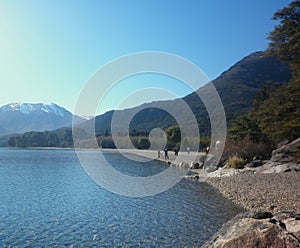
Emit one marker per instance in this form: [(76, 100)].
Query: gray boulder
[(261, 230), (287, 153), (284, 159)]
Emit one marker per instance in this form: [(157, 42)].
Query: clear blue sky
[(49, 49)]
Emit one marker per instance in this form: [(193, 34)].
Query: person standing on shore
[(158, 153), (207, 149), (176, 152), (166, 154), (218, 143), (188, 150)]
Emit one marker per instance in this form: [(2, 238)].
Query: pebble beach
[(260, 192), (272, 192), (254, 191)]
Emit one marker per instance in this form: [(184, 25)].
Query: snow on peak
[(24, 108), (54, 108), (27, 108)]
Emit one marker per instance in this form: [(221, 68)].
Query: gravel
[(260, 192)]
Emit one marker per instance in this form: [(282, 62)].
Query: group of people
[(166, 155), (207, 150)]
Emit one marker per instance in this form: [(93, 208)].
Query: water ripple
[(48, 201)]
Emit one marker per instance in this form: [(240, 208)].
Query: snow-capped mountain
[(24, 117), (27, 108)]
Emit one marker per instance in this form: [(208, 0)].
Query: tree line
[(139, 139)]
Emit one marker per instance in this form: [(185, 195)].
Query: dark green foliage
[(143, 143), (273, 119), (102, 123), (279, 115), (246, 125), (276, 110), (239, 85), (5, 139), (173, 136), (58, 138), (204, 142), (149, 118), (106, 142), (284, 39), (262, 95), (135, 133)]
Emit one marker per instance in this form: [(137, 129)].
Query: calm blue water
[(46, 200)]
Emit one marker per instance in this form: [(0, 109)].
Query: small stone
[(262, 215), (195, 166), (297, 217), (282, 225), (255, 163)]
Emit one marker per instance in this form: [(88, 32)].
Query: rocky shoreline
[(268, 190), (258, 230), (271, 194), (273, 186)]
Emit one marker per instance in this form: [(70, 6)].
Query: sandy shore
[(273, 192)]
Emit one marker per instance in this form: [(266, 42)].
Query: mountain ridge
[(19, 117), (236, 86)]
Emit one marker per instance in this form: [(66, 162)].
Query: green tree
[(284, 39), (173, 135), (279, 115), (143, 143), (106, 142), (246, 125)]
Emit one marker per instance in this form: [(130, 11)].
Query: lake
[(47, 200)]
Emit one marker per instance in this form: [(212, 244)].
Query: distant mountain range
[(237, 88), (24, 117)]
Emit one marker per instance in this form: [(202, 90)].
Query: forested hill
[(237, 88), (239, 85)]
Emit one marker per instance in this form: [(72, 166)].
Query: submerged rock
[(261, 230)]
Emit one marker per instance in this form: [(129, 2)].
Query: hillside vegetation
[(275, 116)]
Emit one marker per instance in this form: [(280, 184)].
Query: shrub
[(143, 143), (246, 149), (235, 163)]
